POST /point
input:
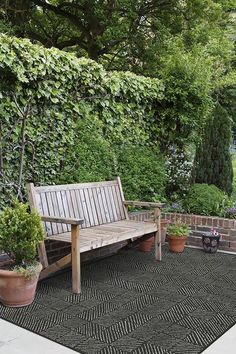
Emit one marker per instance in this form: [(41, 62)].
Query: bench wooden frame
[(89, 216)]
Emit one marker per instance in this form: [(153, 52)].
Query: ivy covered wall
[(50, 100)]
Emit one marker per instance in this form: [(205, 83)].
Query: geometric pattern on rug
[(132, 304)]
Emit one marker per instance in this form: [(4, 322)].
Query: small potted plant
[(177, 234), (20, 234)]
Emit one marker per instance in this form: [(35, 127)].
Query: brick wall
[(200, 224)]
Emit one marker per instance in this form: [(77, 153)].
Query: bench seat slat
[(99, 236)]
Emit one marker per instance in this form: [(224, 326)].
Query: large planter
[(176, 243), (16, 290)]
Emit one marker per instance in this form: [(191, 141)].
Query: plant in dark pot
[(177, 234), (20, 234)]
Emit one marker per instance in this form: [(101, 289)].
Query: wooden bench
[(89, 216)]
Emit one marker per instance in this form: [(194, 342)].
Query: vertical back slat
[(105, 205), (97, 205), (66, 207), (93, 206), (56, 210), (116, 202), (121, 195), (71, 196), (44, 207), (78, 207), (51, 212), (85, 208), (101, 206), (89, 207), (112, 201), (61, 210), (120, 202), (109, 204)]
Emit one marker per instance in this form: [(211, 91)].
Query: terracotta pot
[(146, 245), (164, 224), (16, 290), (176, 243)]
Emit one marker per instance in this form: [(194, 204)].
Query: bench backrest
[(97, 203)]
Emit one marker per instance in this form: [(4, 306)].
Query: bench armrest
[(62, 220), (144, 204)]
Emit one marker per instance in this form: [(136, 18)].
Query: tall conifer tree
[(213, 163)]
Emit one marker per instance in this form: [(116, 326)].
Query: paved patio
[(132, 304), (16, 340)]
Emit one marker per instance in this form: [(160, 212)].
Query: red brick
[(231, 224), (225, 237), (226, 223), (224, 243), (193, 219), (199, 220), (215, 222), (232, 233), (232, 244), (188, 220), (225, 248), (221, 222), (210, 221)]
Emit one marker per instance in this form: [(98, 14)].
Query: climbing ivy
[(45, 94)]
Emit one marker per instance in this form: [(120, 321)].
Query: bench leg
[(157, 218), (75, 254)]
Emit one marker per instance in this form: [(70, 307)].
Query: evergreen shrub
[(204, 199), (142, 172), (20, 233)]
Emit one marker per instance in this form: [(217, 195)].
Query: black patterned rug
[(132, 304)]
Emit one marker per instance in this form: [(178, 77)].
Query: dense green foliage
[(213, 164), (142, 172), (63, 119), (45, 97), (60, 115), (20, 233), (204, 199), (93, 156), (184, 43)]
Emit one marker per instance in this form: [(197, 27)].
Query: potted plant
[(177, 234), (20, 234), (146, 245)]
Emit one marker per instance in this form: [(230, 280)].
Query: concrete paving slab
[(16, 340), (226, 344)]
